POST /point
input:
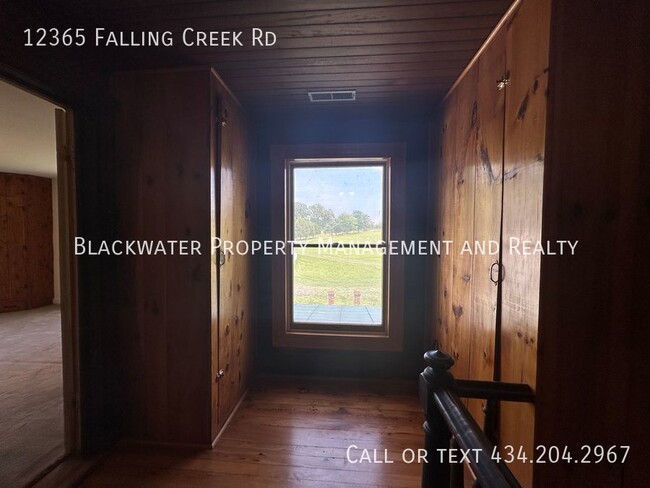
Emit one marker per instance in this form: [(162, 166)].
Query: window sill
[(338, 340)]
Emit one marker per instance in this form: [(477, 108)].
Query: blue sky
[(341, 189)]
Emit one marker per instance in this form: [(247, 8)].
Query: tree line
[(313, 220)]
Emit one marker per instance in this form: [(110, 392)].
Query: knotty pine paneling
[(182, 151), (471, 165), (585, 163), (5, 287), (527, 41), (444, 326), (495, 172), (26, 247), (464, 175), (17, 266), (39, 244), (235, 314), (487, 159), (163, 158)]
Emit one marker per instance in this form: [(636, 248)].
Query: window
[(337, 208)]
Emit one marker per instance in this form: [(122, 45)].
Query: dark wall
[(78, 79), (594, 368), (343, 125)]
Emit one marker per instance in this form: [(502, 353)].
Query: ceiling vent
[(332, 96)]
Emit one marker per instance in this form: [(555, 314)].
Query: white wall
[(27, 133)]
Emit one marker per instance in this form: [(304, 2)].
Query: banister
[(494, 390), (472, 440), (449, 423)]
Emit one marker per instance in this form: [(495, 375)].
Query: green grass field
[(370, 236), (315, 273)]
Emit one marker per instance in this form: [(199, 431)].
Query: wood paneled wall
[(445, 229), (182, 174), (463, 173), (594, 368), (470, 210), (570, 326), (236, 294), (26, 245), (491, 169), (527, 44), (163, 162), (487, 159)]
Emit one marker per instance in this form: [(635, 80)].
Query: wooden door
[(471, 175), (524, 143), (215, 234), (463, 204), (234, 283), (487, 160)]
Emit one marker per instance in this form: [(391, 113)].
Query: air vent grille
[(333, 96)]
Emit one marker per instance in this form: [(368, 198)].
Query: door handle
[(220, 373), (495, 273)]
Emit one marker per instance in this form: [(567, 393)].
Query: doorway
[(38, 379)]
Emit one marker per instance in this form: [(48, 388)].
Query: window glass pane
[(338, 286), (342, 203)]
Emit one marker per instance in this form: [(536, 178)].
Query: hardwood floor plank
[(316, 400), (291, 432), (238, 475), (329, 422)]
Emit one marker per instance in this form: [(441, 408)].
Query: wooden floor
[(291, 433), (31, 394)]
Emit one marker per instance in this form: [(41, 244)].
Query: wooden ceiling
[(390, 51)]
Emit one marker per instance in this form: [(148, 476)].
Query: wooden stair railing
[(450, 429)]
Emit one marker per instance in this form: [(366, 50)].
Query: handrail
[(494, 390), (469, 437), (449, 424)]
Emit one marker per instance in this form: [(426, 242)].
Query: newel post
[(436, 433)]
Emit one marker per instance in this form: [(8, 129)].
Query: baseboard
[(68, 473), (230, 417), (181, 445), (72, 470), (127, 442)]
